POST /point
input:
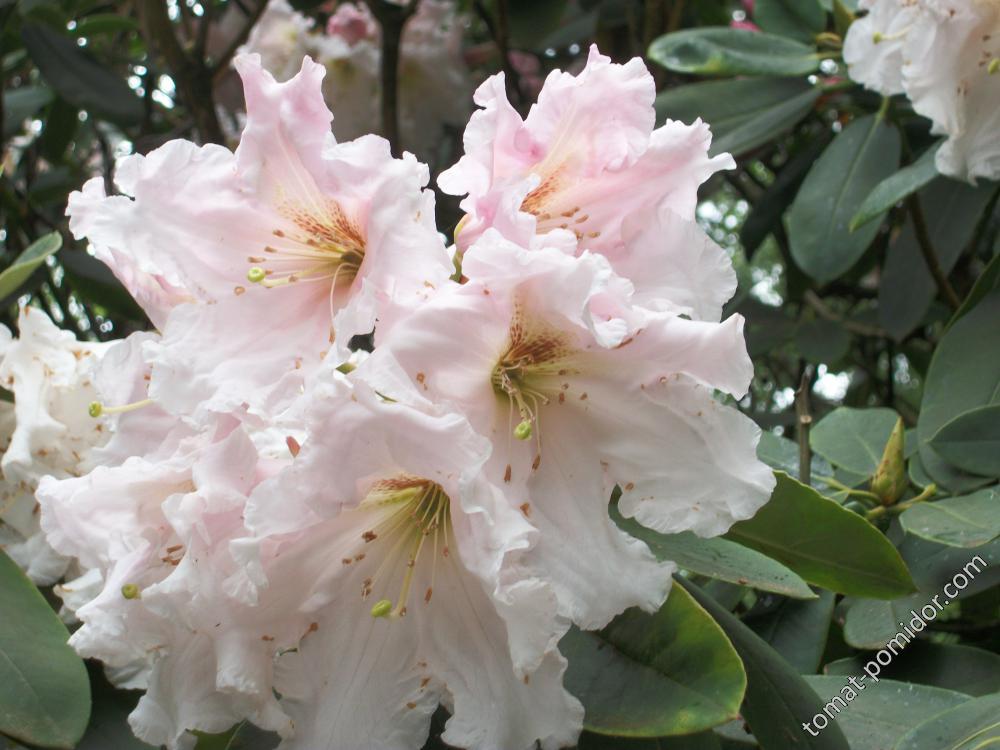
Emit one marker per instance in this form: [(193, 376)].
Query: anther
[(382, 608), (130, 591), (256, 274)]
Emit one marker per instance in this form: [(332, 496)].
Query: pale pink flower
[(46, 431), (293, 242), (585, 158), (154, 532), (385, 535), (282, 37), (599, 394), (945, 56)]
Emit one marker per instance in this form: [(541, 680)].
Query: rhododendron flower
[(945, 56), (585, 158), (579, 392), (262, 258), (282, 37), (384, 533), (154, 532), (45, 432)]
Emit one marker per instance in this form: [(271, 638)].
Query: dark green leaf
[(964, 374), (907, 289), (894, 188), (26, 263), (971, 726), (884, 710), (719, 558), (988, 280), (971, 441), (797, 630), (22, 103), (871, 623), (778, 700), (744, 113), (108, 728), (934, 565), (655, 675), (864, 154), (44, 692), (968, 670), (724, 51), (799, 19), (824, 543), (853, 439), (969, 521), (822, 341), (104, 23), (700, 741), (93, 282), (783, 454), (78, 78)]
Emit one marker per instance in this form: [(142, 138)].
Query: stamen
[(96, 408)]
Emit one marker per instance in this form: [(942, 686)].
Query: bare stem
[(927, 250), (392, 18), (805, 422)]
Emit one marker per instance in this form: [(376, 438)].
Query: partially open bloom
[(586, 157), (262, 258), (282, 37), (577, 393), (45, 432), (386, 536), (945, 56)]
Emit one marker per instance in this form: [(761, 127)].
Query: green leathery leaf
[(973, 725), (853, 439), (670, 673), (858, 158), (44, 690), (824, 543), (966, 521), (777, 699), (897, 186), (25, 264), (725, 51)]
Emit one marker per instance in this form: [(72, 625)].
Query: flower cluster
[(434, 80), (945, 56), (332, 543)]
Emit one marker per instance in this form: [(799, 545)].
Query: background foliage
[(871, 287)]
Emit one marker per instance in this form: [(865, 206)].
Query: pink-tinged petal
[(287, 130), (686, 463), (597, 570), (675, 266), (250, 350), (107, 222), (599, 120)]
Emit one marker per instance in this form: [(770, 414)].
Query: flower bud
[(890, 480)]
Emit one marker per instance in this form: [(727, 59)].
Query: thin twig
[(862, 329), (804, 422), (927, 250)]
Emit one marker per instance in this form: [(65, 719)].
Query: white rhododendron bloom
[(586, 157), (288, 245), (282, 37), (579, 393), (47, 430), (334, 544), (406, 561), (945, 56)]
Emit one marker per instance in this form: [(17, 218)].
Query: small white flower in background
[(47, 431), (945, 56), (434, 81)]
